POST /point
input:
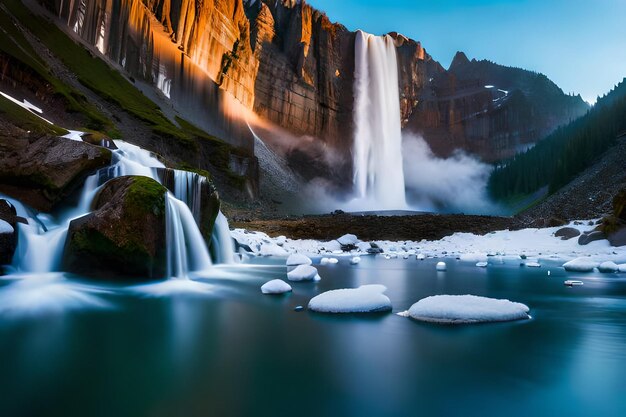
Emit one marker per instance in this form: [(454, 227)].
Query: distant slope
[(589, 195), (567, 152)]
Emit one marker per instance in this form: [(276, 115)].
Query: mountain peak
[(459, 59)]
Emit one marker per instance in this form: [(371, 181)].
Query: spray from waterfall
[(377, 153)]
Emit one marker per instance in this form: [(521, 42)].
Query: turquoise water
[(225, 349)]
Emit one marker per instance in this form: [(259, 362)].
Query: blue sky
[(579, 44)]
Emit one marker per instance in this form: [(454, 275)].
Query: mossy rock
[(42, 171), (124, 237)]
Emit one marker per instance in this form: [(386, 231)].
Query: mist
[(454, 184)]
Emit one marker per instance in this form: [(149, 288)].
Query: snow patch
[(303, 273), (365, 299), (461, 309), (275, 286)]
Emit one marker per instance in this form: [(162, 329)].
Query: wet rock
[(8, 231), (567, 233), (124, 237), (42, 171), (587, 238)]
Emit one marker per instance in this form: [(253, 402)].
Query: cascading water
[(222, 242), (377, 154), (41, 241)]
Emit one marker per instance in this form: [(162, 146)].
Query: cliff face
[(289, 64), (490, 110)]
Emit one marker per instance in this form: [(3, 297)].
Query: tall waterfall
[(377, 153), (41, 241)]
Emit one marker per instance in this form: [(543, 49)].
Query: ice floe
[(275, 286), (441, 266), (461, 309), (365, 299), (608, 267)]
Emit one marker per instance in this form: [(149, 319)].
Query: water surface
[(224, 349)]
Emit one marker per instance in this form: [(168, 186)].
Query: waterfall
[(41, 241), (222, 242), (377, 153)]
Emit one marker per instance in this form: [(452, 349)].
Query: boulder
[(608, 267), (566, 233), (42, 171), (8, 231), (124, 237), (275, 286), (587, 238)]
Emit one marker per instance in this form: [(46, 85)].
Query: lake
[(225, 349)]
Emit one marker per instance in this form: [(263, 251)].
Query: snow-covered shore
[(531, 244)]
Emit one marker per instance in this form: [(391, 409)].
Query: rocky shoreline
[(427, 226)]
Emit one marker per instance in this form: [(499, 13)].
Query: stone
[(124, 237), (566, 233), (587, 238), (42, 171)]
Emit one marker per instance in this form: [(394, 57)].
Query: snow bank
[(303, 273), (365, 299), (505, 246), (581, 265), (275, 286), (461, 309), (5, 227)]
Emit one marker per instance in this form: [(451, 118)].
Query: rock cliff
[(289, 64)]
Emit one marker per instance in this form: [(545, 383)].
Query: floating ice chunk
[(348, 239), (275, 286), (573, 283), (420, 257), (460, 309), (296, 259), (325, 261), (533, 264), (332, 245), (355, 260), (473, 257), (363, 246), (608, 267), (333, 260), (580, 265), (365, 299), (481, 264), (303, 273), (5, 227), (441, 266)]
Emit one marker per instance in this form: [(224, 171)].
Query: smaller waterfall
[(222, 241), (41, 241), (186, 249)]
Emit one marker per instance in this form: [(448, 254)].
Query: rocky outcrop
[(41, 171), (124, 237), (8, 231)]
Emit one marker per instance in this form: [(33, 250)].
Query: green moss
[(187, 167), (14, 45), (26, 120), (95, 74), (145, 194)]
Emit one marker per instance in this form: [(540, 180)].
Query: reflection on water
[(217, 347)]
